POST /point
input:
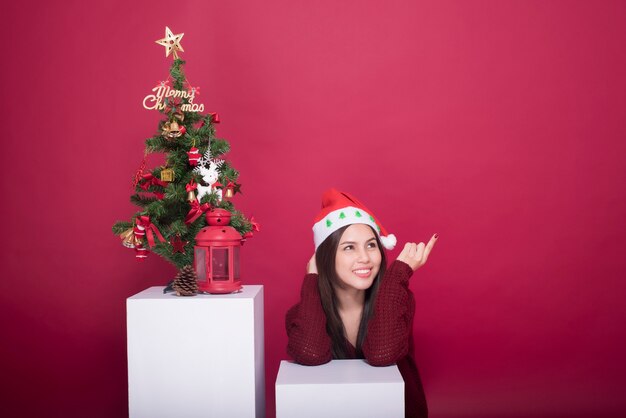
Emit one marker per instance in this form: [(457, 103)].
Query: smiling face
[(358, 257)]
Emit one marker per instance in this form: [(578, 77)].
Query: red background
[(498, 124)]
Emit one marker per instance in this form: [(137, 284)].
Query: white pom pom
[(389, 242)]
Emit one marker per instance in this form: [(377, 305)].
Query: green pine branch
[(121, 226), (142, 200)]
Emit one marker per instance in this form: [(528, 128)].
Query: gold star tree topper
[(171, 43)]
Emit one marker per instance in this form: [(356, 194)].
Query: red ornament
[(150, 180), (255, 225), (139, 173), (141, 253), (215, 117), (194, 156), (146, 228), (140, 232), (196, 210), (178, 244)]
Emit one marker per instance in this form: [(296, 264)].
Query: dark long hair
[(325, 260)]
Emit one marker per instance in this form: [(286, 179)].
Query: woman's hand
[(415, 255), (311, 267)]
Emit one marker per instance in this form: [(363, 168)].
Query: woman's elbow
[(382, 358), (309, 357), (312, 360)]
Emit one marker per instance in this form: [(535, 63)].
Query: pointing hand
[(415, 255)]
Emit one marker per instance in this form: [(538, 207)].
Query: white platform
[(198, 356), (341, 388)]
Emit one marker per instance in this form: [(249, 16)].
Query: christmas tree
[(174, 198)]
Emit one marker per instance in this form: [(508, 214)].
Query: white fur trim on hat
[(348, 215)]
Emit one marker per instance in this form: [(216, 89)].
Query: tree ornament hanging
[(194, 156), (167, 174), (172, 130), (140, 232), (129, 239), (229, 190), (190, 187), (178, 245), (149, 180), (145, 227), (196, 211), (141, 253), (255, 225), (139, 173), (208, 169)]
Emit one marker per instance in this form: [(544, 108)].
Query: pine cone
[(185, 283)]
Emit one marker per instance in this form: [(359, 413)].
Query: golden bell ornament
[(191, 196), (174, 130), (171, 130), (129, 240)]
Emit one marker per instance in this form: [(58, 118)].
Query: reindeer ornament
[(208, 169)]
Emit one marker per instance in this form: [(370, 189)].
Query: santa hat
[(340, 209)]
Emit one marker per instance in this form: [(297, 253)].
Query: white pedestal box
[(341, 388), (197, 356)]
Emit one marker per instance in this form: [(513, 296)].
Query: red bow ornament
[(144, 224), (255, 225), (196, 210), (150, 180), (191, 186)]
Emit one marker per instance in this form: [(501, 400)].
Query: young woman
[(352, 305)]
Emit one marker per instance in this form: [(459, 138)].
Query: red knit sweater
[(389, 337)]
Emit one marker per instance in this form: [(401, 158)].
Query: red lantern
[(216, 254)]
